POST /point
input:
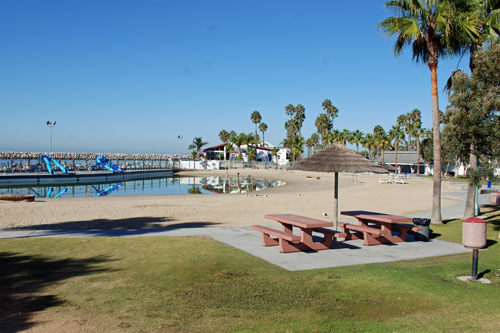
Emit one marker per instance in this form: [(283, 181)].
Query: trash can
[(422, 235), (489, 183), (474, 233)]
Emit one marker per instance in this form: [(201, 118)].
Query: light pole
[(179, 137), (51, 125)]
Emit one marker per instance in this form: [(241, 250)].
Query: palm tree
[(426, 26), (345, 136), (197, 144), (275, 154), (224, 136), (239, 140), (323, 125), (315, 139), (331, 111), (369, 142), (396, 134), (420, 133), (357, 137), (300, 116), (263, 129), (256, 118)]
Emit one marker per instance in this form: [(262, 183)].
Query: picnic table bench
[(289, 242), (385, 223)]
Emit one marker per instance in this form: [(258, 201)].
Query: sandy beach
[(306, 193)]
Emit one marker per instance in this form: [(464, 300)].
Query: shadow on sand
[(23, 277)]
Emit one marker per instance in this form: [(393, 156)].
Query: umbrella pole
[(336, 200)]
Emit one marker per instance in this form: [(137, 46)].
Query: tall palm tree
[(346, 136), (323, 125), (357, 137), (256, 118), (369, 142), (331, 111), (224, 136), (420, 133), (263, 129), (197, 144), (396, 134), (315, 139), (426, 25)]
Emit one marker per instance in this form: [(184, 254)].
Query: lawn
[(149, 284)]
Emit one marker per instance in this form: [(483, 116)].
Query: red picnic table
[(289, 242), (382, 226)]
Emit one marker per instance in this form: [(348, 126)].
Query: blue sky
[(130, 76)]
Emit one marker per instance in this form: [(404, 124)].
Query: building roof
[(404, 157), (214, 147)]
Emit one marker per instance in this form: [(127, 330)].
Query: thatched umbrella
[(337, 158)]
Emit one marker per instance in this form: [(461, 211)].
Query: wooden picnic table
[(293, 243), (387, 223)]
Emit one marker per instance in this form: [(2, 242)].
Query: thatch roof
[(337, 158), (390, 168)]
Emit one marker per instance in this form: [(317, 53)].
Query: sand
[(310, 196)]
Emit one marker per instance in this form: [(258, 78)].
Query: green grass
[(191, 284)]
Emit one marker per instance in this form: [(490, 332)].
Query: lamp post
[(51, 126), (179, 137)]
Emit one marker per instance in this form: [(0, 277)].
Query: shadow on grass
[(23, 278), (135, 226)]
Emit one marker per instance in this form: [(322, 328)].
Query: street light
[(179, 137), (51, 125)]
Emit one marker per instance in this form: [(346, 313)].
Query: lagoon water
[(155, 186)]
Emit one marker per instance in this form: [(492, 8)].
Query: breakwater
[(24, 161)]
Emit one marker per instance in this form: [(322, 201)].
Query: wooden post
[(336, 200)]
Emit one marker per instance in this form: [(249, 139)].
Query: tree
[(396, 134), (293, 126), (275, 154), (263, 129), (473, 118), (256, 118), (486, 16), (357, 137), (314, 139), (369, 142), (197, 144), (239, 140), (426, 25), (331, 111), (323, 125), (224, 136)]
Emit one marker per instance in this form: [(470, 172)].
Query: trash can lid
[(474, 220)]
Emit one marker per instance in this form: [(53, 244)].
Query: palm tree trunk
[(471, 190), (436, 139), (383, 157), (418, 155), (396, 154), (357, 147)]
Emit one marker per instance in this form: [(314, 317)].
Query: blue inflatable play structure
[(103, 162), (47, 160)]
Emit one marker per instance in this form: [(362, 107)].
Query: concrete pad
[(342, 253)]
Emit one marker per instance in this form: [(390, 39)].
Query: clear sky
[(130, 76)]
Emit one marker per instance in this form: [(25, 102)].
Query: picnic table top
[(298, 221), (377, 217)]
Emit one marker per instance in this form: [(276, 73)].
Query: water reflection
[(154, 186)]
